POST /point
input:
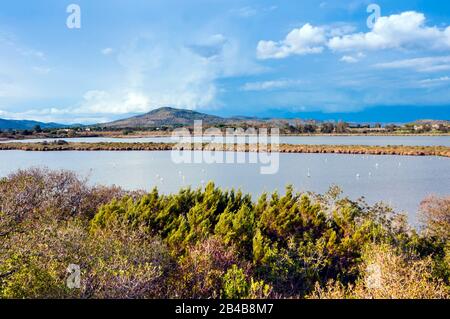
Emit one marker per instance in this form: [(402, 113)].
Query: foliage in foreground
[(210, 243)]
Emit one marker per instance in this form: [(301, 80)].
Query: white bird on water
[(357, 175), (308, 174)]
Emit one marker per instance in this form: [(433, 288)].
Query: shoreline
[(398, 150), (162, 135)]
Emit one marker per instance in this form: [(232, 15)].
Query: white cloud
[(305, 40), (407, 30), (441, 79), (270, 85), (339, 29), (435, 82), (96, 106), (102, 102), (353, 58), (155, 73), (349, 59), (9, 89), (251, 11), (425, 64), (20, 66), (107, 51), (246, 12), (9, 40), (398, 31), (53, 115), (180, 75), (41, 70)]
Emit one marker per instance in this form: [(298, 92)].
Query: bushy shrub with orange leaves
[(435, 216)]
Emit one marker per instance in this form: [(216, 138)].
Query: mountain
[(172, 117), (165, 116), (26, 125)]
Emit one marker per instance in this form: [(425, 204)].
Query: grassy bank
[(210, 243), (283, 148)]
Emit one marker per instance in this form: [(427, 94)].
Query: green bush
[(208, 243)]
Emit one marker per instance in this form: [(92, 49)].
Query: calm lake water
[(309, 140), (400, 181)]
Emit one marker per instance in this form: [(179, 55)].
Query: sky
[(329, 59)]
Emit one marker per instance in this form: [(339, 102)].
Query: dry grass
[(283, 148)]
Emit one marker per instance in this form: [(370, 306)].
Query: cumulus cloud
[(349, 59), (183, 75), (102, 102), (398, 31), (407, 30), (305, 40), (170, 76), (339, 29), (353, 58), (156, 74), (96, 106), (54, 115), (151, 72)]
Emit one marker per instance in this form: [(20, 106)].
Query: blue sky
[(313, 59)]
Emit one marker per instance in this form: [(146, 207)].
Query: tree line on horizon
[(285, 128)]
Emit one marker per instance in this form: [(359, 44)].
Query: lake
[(401, 181), (308, 140)]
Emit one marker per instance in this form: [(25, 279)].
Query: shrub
[(200, 273), (31, 193), (114, 263), (435, 216), (387, 274), (235, 285), (210, 243)]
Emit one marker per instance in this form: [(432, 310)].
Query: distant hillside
[(26, 125), (165, 116), (170, 117)]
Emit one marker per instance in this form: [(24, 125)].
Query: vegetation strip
[(213, 243), (283, 148)]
